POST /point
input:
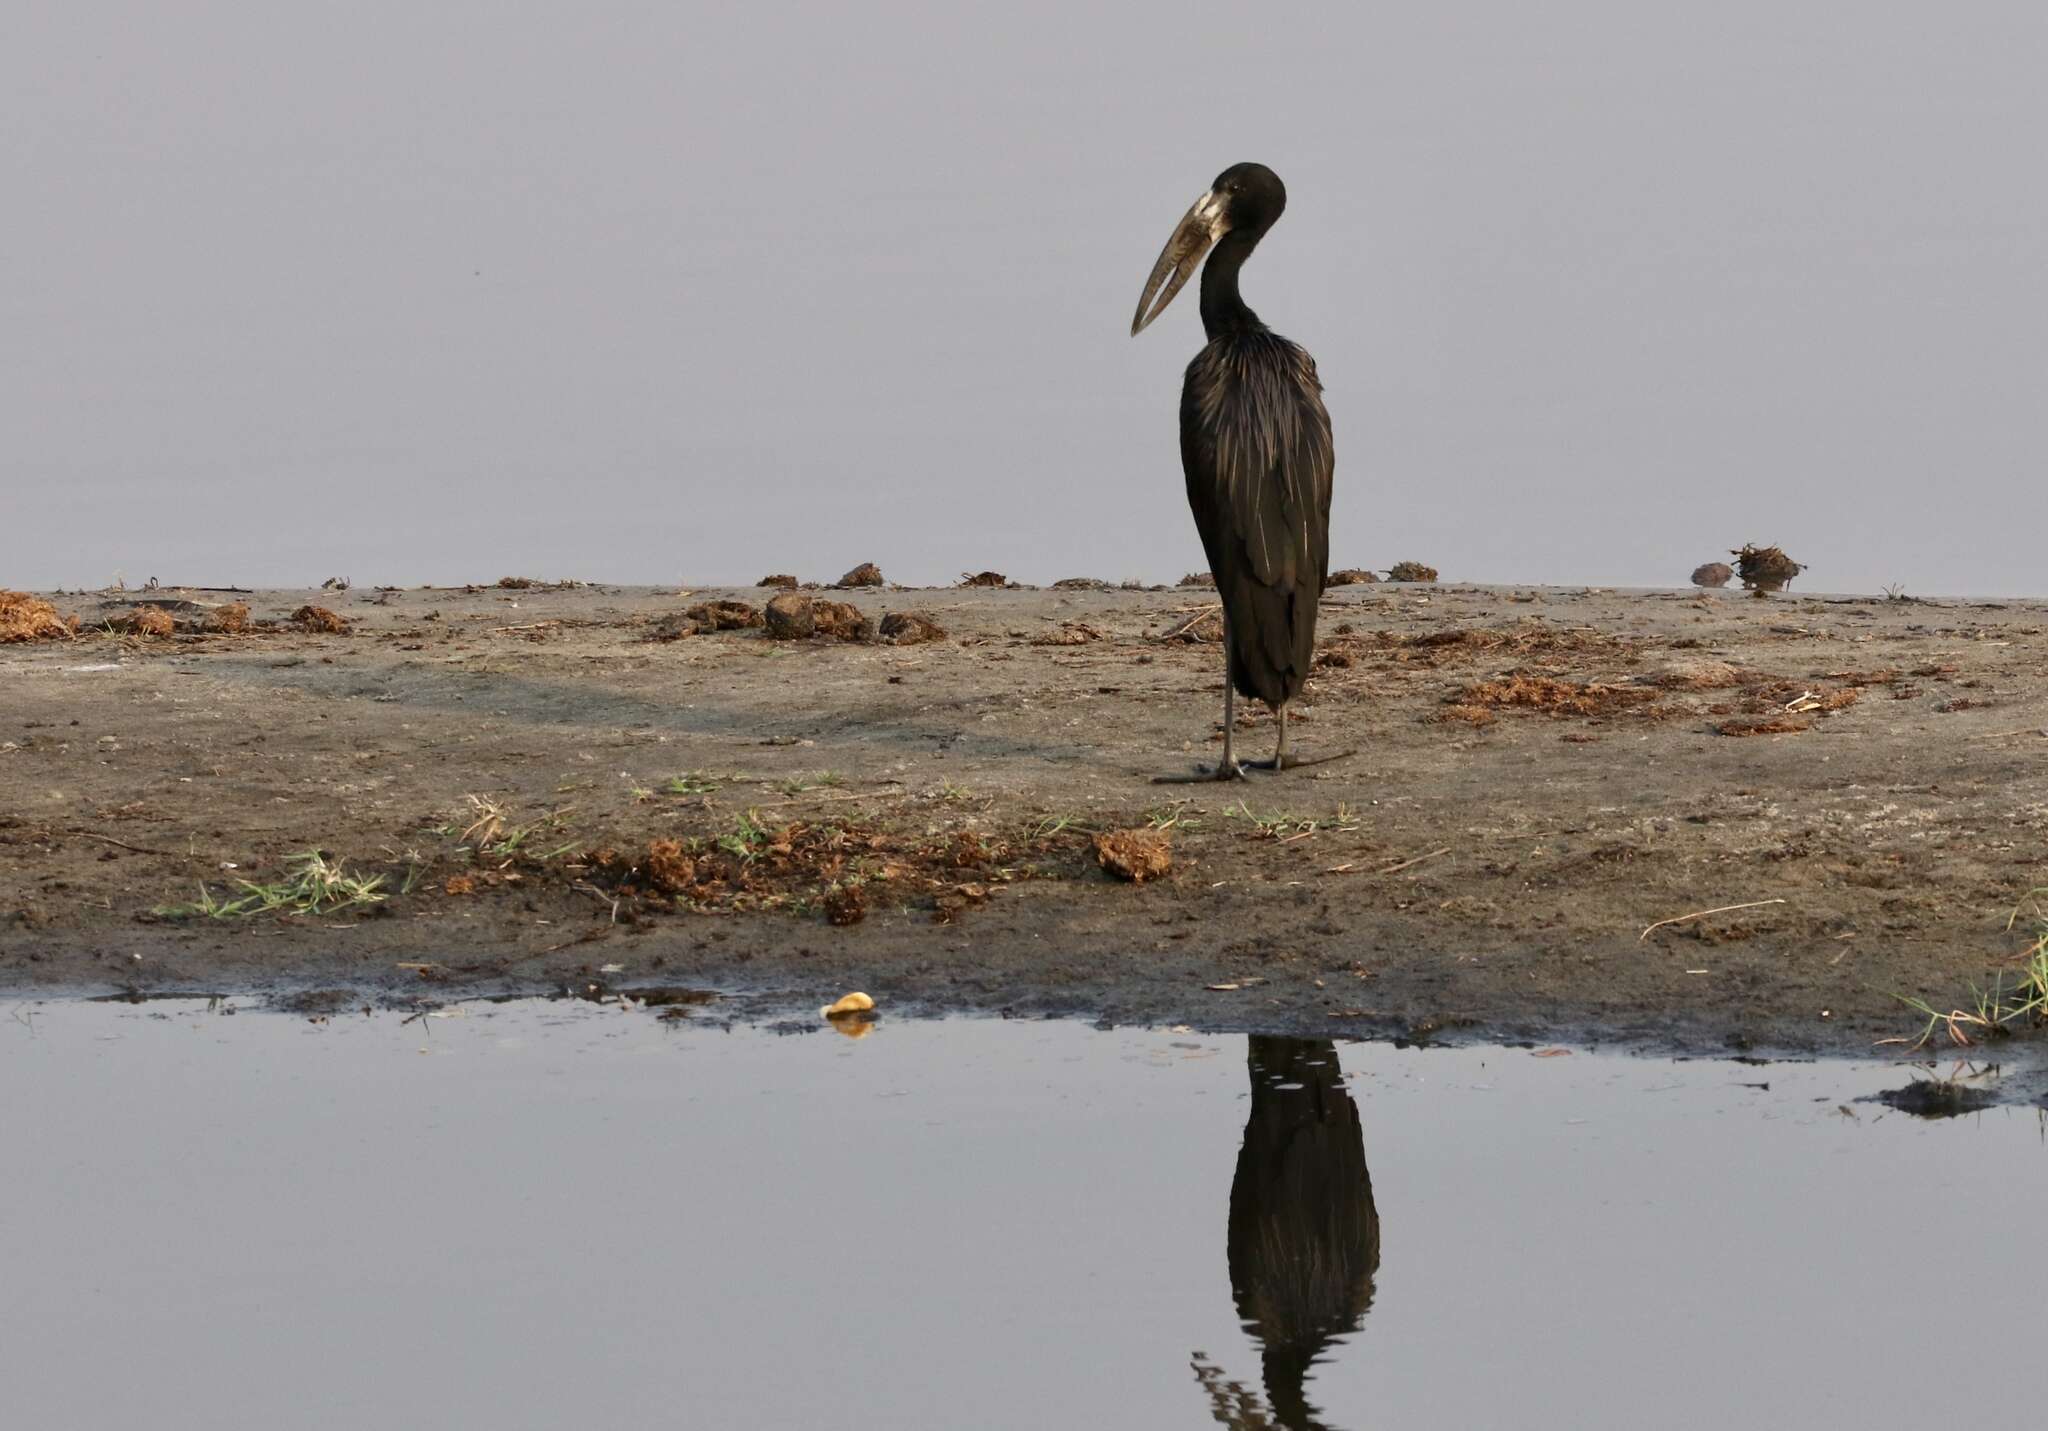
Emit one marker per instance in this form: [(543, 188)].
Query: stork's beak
[(1200, 227)]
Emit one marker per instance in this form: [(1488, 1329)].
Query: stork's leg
[(1282, 760), (1227, 768)]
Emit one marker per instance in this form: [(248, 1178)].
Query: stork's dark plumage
[(1255, 445)]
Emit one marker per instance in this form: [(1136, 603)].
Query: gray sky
[(659, 292)]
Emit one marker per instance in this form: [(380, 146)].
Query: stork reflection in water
[(1255, 445), (1304, 1240)]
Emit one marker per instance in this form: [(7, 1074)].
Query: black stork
[(1255, 444)]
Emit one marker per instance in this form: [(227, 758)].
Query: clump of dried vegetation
[(1764, 569), (30, 618), (1411, 571)]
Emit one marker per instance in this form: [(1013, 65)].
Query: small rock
[(908, 628), (1135, 855), (866, 574), (1713, 574)]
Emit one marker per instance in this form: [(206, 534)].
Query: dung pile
[(30, 618), (793, 616), (1352, 576), (983, 578), (866, 574), (1765, 568), (1411, 571)]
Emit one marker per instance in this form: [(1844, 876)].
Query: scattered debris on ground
[(983, 578), (1765, 569), (30, 618), (725, 616), (319, 619), (866, 574), (910, 628), (1203, 625), (1713, 574), (1550, 697), (1135, 855), (1771, 725), (845, 904), (1080, 583), (1697, 675), (1411, 571), (1070, 633)]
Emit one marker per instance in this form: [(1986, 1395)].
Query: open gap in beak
[(1191, 239)]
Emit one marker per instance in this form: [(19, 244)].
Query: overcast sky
[(448, 291)]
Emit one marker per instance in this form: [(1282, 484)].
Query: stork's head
[(1245, 199)]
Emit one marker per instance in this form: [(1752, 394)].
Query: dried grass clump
[(1134, 855), (667, 868), (30, 618), (1411, 571), (145, 621), (1765, 568), (229, 620)]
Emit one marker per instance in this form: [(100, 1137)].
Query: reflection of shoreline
[(1304, 1240)]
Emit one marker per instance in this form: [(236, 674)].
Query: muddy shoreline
[(1543, 774)]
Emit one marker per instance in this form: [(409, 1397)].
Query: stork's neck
[(1223, 311)]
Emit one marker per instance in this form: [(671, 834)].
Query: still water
[(574, 1215)]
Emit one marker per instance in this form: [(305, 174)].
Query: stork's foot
[(1203, 774), (1295, 762)]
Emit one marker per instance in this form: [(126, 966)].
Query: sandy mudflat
[(1542, 774)]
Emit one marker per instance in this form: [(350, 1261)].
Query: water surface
[(560, 1214)]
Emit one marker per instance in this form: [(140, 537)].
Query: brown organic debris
[(1771, 725), (842, 621), (1203, 625), (845, 904), (866, 574), (1411, 571), (144, 621), (320, 619), (1765, 568), (1070, 633), (668, 868), (725, 615), (910, 628), (459, 885), (782, 579), (1713, 574), (1135, 855), (1552, 697), (1198, 578), (1352, 576), (790, 617), (1080, 583), (30, 618), (229, 620), (672, 627), (983, 578)]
